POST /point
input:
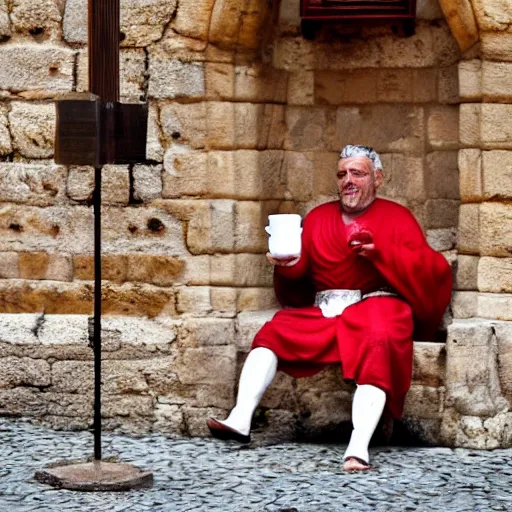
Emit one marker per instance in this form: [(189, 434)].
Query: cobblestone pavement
[(197, 475)]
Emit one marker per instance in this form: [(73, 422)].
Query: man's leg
[(258, 372), (367, 407)]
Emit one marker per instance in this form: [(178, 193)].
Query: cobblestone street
[(210, 475)]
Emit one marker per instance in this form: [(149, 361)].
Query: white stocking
[(258, 372), (367, 408)]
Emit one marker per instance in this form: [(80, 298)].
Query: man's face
[(358, 182)]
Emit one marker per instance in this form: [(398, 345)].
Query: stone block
[(492, 15), (387, 128), (495, 275), (24, 372), (257, 83), (141, 24), (194, 300), (470, 115), (42, 17), (33, 265), (207, 365), (497, 175), (32, 127), (424, 402), (248, 324), (168, 419), (5, 25), (250, 220), (223, 301), (442, 239), (470, 80), (301, 88), (495, 237), (203, 332), (442, 176), (60, 267), (196, 271), (496, 46), (69, 405), (470, 171), (468, 234), (185, 172), (127, 406), (193, 20), (448, 85), (115, 181), (495, 81), (114, 267), (9, 265), (72, 377), (35, 184), (159, 270), (495, 305), (194, 418), (5, 134), (310, 128), (461, 19), (184, 123), (353, 86), (252, 270), (222, 269), (300, 175), (80, 185), (496, 126), (324, 173), (22, 400), (472, 379), (220, 80), (466, 273), (172, 78), (465, 304), (256, 299), (442, 213), (473, 433), (443, 127), (429, 364), (403, 177), (147, 182), (32, 66), (154, 149)]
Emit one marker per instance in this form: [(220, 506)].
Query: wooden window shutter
[(358, 10)]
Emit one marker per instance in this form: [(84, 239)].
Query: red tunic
[(372, 338)]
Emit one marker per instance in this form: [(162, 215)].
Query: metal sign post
[(93, 130)]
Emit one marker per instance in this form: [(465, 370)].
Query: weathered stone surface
[(23, 372), (493, 15), (194, 300), (154, 149), (495, 305), (132, 69), (60, 267), (5, 135), (115, 182), (448, 85), (184, 123), (495, 81), (34, 184), (496, 125), (495, 275), (147, 182), (256, 299), (442, 239), (428, 10), (466, 274), (472, 379), (30, 66), (5, 26), (172, 78), (33, 265), (443, 127), (429, 364), (33, 129), (9, 265), (468, 235), (442, 176), (465, 304), (462, 22), (207, 365), (160, 270), (495, 237), (441, 213), (250, 220), (201, 332), (80, 185), (497, 175), (470, 79), (496, 46), (424, 402), (301, 88), (38, 17), (224, 301), (193, 19), (248, 324), (470, 171), (185, 172), (469, 124), (141, 23)]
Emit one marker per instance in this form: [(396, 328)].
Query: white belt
[(333, 302)]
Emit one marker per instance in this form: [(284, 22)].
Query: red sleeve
[(421, 275)]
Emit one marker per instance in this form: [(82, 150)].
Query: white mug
[(285, 235)]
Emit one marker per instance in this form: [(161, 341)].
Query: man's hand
[(282, 262)]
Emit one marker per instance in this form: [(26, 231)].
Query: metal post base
[(95, 476)]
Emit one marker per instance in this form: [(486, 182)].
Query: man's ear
[(379, 177)]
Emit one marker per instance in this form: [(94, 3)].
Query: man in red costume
[(365, 285)]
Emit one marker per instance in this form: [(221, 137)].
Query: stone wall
[(246, 119)]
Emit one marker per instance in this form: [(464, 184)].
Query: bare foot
[(355, 464)]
